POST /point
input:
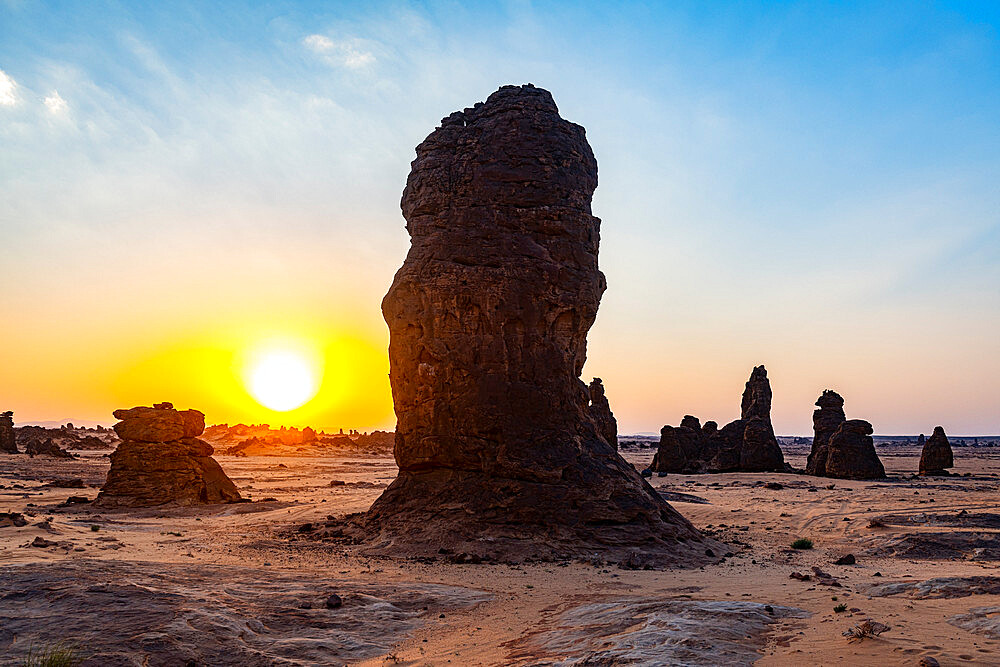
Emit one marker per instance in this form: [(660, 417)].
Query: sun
[(282, 380)]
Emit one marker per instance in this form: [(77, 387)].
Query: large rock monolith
[(826, 421), (936, 456), (851, 452), (747, 444), (8, 442), (499, 454), (161, 461)]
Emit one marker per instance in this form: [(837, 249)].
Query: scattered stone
[(42, 543), (12, 519), (774, 486), (334, 601), (800, 576), (936, 456), (179, 471), (8, 440), (498, 451), (77, 500), (66, 484), (928, 661), (847, 559)]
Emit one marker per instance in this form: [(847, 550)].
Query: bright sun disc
[(282, 380)]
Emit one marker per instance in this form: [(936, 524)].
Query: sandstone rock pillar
[(499, 454)]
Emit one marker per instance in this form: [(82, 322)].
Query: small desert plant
[(802, 543), (867, 629), (840, 608), (57, 655)]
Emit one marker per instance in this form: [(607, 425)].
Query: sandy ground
[(242, 577)]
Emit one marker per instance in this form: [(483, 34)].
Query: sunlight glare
[(282, 380)]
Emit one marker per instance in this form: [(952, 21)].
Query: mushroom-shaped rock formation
[(8, 442), (826, 421), (745, 445), (936, 456), (161, 461), (851, 452), (499, 455), (600, 410)]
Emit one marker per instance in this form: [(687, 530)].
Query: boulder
[(826, 421), (498, 451), (600, 411), (8, 442), (158, 424), (851, 452), (179, 470), (936, 456)]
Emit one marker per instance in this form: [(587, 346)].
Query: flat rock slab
[(666, 632), (937, 588), (963, 520), (160, 614), (981, 620), (957, 545)]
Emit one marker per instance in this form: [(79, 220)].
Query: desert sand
[(247, 583)]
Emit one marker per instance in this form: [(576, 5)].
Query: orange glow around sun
[(318, 376)]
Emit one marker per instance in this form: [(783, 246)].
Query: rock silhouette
[(841, 448), (826, 421), (851, 452), (178, 470), (936, 456), (600, 410), (747, 444), (499, 454), (46, 447), (8, 442)]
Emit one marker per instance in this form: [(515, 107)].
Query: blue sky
[(813, 186)]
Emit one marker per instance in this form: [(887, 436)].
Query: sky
[(813, 186)]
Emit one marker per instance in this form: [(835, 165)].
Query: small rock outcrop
[(499, 453), (8, 442), (826, 421), (851, 452), (46, 447), (745, 445), (600, 411), (936, 456), (842, 448), (161, 461)]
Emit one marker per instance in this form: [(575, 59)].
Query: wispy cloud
[(56, 104), (351, 53), (8, 90)]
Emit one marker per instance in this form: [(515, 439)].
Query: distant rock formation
[(46, 447), (499, 455), (841, 448), (8, 443), (161, 460), (920, 440), (745, 445), (600, 411), (826, 421), (936, 456), (851, 452)]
